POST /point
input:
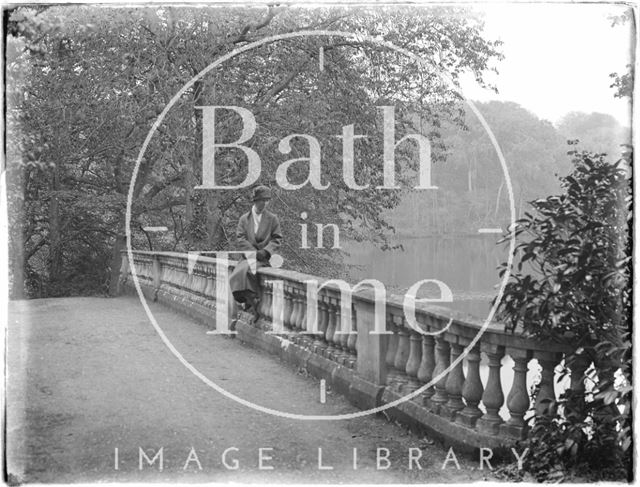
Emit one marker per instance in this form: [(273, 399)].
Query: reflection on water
[(467, 265)]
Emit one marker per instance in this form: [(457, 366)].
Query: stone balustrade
[(477, 402)]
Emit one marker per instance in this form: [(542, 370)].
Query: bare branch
[(282, 84)]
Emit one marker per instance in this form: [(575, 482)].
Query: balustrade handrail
[(462, 324)]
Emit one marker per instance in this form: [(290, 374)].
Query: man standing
[(257, 231)]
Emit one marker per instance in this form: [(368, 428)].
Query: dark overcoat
[(268, 237)]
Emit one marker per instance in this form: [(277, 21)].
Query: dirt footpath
[(95, 395)]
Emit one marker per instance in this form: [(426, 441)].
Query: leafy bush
[(571, 285)]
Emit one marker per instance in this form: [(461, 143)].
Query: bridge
[(139, 403)]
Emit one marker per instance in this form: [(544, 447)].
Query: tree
[(472, 191), (598, 132), (96, 79), (623, 83)]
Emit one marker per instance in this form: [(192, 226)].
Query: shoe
[(256, 316)]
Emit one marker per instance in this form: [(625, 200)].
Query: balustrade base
[(448, 412), (516, 432), (364, 394), (320, 367), (341, 379), (330, 353), (318, 347), (410, 386), (489, 426), (347, 359), (435, 406), (202, 314), (421, 400), (468, 419), (306, 342), (438, 427)]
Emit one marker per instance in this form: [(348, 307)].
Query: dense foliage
[(571, 284), (85, 84), (597, 132), (472, 191)]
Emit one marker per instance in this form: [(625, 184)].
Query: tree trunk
[(215, 234), (191, 173), (116, 263), (54, 263)]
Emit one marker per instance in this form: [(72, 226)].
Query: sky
[(558, 58)]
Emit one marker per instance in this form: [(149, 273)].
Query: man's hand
[(262, 255)]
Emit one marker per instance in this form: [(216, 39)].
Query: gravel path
[(87, 376)]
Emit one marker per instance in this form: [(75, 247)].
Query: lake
[(467, 265)]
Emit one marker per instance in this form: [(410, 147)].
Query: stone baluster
[(319, 343), (337, 354), (172, 274), (266, 300), (210, 289), (340, 339), (199, 285), (518, 398), (195, 281), (492, 398), (206, 276), (352, 341), (192, 287), (343, 340), (166, 279), (471, 390), (262, 306), (272, 306), (295, 314), (330, 351), (402, 352), (546, 403), (166, 269), (300, 303), (427, 365), (265, 304), (392, 347), (288, 305), (146, 270), (303, 310), (202, 285), (184, 283), (188, 284), (278, 304), (179, 281), (455, 382), (440, 398), (167, 275), (304, 339), (578, 365), (414, 360)]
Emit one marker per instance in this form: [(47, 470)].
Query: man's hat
[(261, 193)]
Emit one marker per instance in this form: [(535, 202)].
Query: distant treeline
[(472, 193)]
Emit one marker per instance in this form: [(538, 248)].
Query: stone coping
[(463, 328)]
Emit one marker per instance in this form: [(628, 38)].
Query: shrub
[(570, 284)]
